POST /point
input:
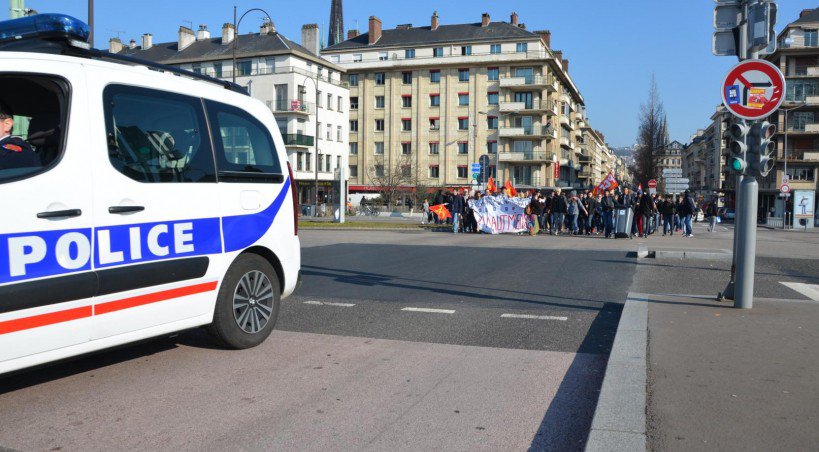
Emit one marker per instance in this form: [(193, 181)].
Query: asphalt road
[(396, 340)]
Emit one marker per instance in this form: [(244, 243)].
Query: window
[(328, 166), (521, 47), (379, 101), (801, 119), (434, 124), (492, 98), (217, 69), (352, 79), (242, 144), (437, 52), (435, 76), (379, 125), (353, 170), (463, 75), (299, 160), (43, 116), (463, 123), (463, 147), (409, 54), (318, 99), (329, 101), (379, 148), (406, 148), (797, 173), (491, 147), (434, 171), (495, 49), (406, 124), (157, 136), (466, 50), (462, 171), (811, 38), (196, 68), (353, 148), (493, 74), (329, 132), (356, 57), (434, 100), (383, 56), (353, 125), (406, 101), (338, 133), (340, 103), (406, 78), (406, 170), (434, 147), (318, 131), (492, 122), (244, 67), (307, 162), (379, 170), (463, 99), (354, 103), (797, 90), (380, 77)]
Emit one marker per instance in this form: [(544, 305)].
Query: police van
[(159, 200)]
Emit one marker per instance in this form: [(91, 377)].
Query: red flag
[(510, 189), (490, 187), (441, 211)]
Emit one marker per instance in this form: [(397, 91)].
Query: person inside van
[(14, 151)]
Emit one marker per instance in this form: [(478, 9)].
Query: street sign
[(670, 171), (727, 16), (753, 89), (724, 43), (785, 179), (761, 33), (476, 167), (785, 188), (677, 180), (652, 183)]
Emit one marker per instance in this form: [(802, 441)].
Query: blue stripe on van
[(242, 231)]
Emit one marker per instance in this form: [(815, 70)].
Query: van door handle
[(60, 213), (125, 209)]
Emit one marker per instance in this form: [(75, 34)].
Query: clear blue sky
[(613, 46)]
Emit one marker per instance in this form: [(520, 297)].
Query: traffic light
[(762, 148), (738, 146)]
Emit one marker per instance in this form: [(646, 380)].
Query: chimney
[(352, 34), (186, 38), (545, 37), (805, 12), (228, 33), (522, 26), (559, 55), (132, 44), (310, 37), (203, 33), (114, 45), (375, 30), (485, 19), (147, 41), (434, 22), (267, 28), (514, 19), (566, 65)]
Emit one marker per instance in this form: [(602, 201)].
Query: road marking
[(327, 303), (434, 311), (809, 290), (535, 317)]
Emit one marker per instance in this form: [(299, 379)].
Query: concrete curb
[(419, 230), (718, 255), (620, 417)]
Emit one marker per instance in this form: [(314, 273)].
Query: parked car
[(728, 214)]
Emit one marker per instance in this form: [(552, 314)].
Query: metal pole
[(746, 254), (785, 153), (315, 83), (235, 38), (91, 22)]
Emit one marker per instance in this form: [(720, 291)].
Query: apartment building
[(434, 99), (301, 89), (704, 160), (797, 56)]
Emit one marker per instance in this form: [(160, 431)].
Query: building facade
[(704, 161), (303, 91), (434, 99)]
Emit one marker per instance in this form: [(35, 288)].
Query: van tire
[(248, 273)]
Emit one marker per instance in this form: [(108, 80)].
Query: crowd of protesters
[(582, 212)]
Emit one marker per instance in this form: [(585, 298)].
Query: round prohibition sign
[(753, 89)]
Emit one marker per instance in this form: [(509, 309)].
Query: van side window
[(242, 143), (33, 115), (157, 136)]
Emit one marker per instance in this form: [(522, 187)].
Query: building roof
[(809, 17), (414, 36), (248, 45)]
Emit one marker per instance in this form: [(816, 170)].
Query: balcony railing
[(526, 156), (526, 181), (291, 106), (528, 131), (297, 139), (800, 154), (517, 106), (529, 81), (226, 74), (566, 121), (565, 142)]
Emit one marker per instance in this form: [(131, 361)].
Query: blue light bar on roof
[(44, 26)]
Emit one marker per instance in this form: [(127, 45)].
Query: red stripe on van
[(36, 321), (155, 297)]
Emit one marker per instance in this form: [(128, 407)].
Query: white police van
[(162, 200)]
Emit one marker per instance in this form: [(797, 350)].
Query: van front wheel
[(248, 303)]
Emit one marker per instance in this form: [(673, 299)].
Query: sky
[(613, 47)]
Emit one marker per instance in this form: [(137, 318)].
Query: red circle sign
[(652, 183), (785, 188), (753, 89)]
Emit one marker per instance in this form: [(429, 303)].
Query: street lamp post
[(236, 31), (315, 139)]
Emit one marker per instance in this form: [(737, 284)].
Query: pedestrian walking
[(575, 210), (711, 213), (686, 211), (608, 206), (426, 217), (559, 209), (669, 211), (456, 209), (629, 201), (646, 211)]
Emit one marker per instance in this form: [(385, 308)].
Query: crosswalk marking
[(435, 311), (809, 290), (535, 317), (328, 303)]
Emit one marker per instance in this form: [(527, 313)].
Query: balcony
[(291, 106), (527, 132), (566, 143), (567, 122), (529, 82), (526, 181), (529, 156), (297, 140), (546, 106), (585, 173), (798, 155)]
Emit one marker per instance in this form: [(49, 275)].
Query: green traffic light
[(737, 164)]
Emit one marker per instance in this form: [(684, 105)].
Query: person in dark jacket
[(629, 201), (457, 210), (668, 210), (686, 210), (711, 214), (559, 208), (439, 199), (547, 211), (607, 203), (646, 209)]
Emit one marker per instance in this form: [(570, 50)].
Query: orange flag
[(490, 187), (510, 189), (441, 211)]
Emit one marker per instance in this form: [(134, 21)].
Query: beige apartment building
[(434, 99), (704, 160)]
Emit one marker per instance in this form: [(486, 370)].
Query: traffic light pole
[(745, 239)]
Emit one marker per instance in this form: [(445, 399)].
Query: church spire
[(336, 33)]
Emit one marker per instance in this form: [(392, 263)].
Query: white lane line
[(535, 317), (434, 311), (327, 303), (809, 290)]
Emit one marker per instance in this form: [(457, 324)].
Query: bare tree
[(651, 135), (391, 180)]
